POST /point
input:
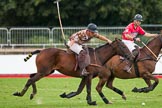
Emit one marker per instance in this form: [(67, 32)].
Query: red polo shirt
[(132, 31)]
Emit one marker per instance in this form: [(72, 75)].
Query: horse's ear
[(117, 39), (161, 32)]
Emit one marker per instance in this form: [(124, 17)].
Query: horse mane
[(102, 46), (91, 49), (108, 43)]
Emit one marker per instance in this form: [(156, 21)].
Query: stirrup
[(84, 72)]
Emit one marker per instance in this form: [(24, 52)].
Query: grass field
[(49, 90)]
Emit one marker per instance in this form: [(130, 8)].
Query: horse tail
[(31, 54)]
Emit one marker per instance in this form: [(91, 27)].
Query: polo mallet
[(152, 52), (149, 50), (58, 10)]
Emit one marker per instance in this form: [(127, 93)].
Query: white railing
[(3, 37), (43, 37)]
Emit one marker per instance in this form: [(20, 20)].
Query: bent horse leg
[(150, 87), (109, 84), (99, 87), (34, 87), (31, 81), (79, 90), (34, 91)]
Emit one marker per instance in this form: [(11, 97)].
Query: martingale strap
[(95, 58)]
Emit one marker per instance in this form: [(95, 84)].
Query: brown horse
[(143, 67), (51, 59)]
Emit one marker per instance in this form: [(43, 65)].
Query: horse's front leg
[(150, 87), (79, 90), (109, 84), (99, 87), (88, 86)]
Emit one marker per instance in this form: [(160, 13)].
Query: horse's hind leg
[(34, 91), (34, 87), (109, 84), (30, 81), (150, 87)]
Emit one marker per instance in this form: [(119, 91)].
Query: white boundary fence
[(29, 36), (42, 37), (3, 37)]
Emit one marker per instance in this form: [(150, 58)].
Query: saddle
[(83, 58)]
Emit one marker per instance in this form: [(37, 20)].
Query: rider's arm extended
[(101, 37), (150, 35)]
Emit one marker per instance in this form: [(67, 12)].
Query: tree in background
[(78, 12)]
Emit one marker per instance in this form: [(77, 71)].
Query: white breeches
[(130, 44), (75, 47)]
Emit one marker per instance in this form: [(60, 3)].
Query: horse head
[(152, 48), (117, 47)]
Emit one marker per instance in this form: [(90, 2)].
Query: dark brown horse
[(49, 60), (146, 62)]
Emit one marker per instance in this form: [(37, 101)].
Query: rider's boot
[(83, 63), (128, 67)]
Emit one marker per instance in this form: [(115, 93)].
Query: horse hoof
[(31, 96), (106, 101), (124, 97), (109, 102), (92, 103), (135, 90), (63, 95), (16, 94)]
